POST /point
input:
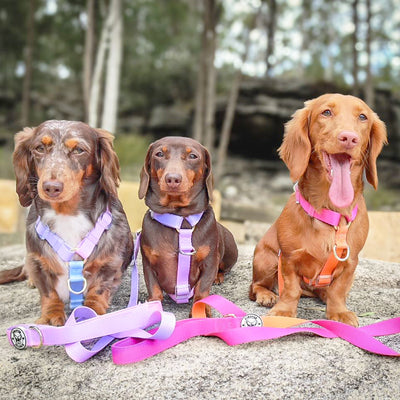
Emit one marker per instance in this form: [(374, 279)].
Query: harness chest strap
[(183, 291), (76, 283), (341, 250)]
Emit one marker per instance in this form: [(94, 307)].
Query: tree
[(356, 88), (26, 90), (88, 55), (203, 127), (369, 84), (271, 28)]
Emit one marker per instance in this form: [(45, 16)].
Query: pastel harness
[(183, 291), (340, 251), (77, 283)]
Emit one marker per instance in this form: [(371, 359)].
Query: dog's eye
[(77, 150), (40, 148), (159, 154), (193, 156), (327, 113), (362, 117)]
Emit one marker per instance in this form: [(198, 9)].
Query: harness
[(77, 283), (340, 251), (183, 291)]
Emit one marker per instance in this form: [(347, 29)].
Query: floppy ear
[(25, 173), (377, 138), (145, 174), (295, 150), (108, 161), (208, 174)]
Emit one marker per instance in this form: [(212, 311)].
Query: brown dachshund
[(176, 179), (327, 147), (68, 173)]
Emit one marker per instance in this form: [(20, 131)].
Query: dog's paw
[(281, 313), (52, 319), (346, 317), (220, 278), (266, 298)]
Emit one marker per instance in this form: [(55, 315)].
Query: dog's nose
[(173, 180), (53, 188), (348, 139)]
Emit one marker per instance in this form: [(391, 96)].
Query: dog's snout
[(53, 188), (173, 180), (348, 139)]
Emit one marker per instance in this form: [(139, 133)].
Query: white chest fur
[(72, 229)]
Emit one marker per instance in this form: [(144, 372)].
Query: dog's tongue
[(341, 191)]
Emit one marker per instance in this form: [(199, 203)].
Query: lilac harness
[(183, 291), (77, 282)]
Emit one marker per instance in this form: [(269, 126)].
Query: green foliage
[(131, 150)]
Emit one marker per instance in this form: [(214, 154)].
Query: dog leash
[(77, 283), (183, 291), (148, 330)]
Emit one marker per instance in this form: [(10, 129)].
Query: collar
[(175, 221), (325, 215)]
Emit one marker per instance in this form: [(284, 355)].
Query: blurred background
[(229, 73)]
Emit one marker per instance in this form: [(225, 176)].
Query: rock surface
[(297, 367)]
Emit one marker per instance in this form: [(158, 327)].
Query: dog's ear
[(24, 168), (208, 174), (377, 138), (108, 162), (145, 174), (295, 150)]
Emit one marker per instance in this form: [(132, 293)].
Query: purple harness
[(77, 282), (183, 291)]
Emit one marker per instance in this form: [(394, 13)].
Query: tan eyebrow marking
[(164, 149), (71, 143), (188, 150), (47, 140)]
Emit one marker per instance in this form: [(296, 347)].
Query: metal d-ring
[(188, 253), (345, 257), (81, 291), (36, 329)]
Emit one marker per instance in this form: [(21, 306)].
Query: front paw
[(266, 298), (281, 311), (55, 319), (346, 317)]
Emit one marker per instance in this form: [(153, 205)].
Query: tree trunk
[(305, 40), (26, 88), (203, 127), (369, 84), (230, 108), (356, 89), (271, 26), (110, 104), (88, 56), (96, 84)]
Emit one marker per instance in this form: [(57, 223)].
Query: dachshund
[(177, 179), (328, 145), (68, 173)]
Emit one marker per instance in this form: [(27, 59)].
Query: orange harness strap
[(325, 276)]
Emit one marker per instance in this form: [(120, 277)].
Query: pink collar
[(328, 216)]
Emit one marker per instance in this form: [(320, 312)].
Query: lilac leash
[(76, 283), (183, 291)]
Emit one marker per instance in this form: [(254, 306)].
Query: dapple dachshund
[(328, 146), (68, 173), (176, 178)]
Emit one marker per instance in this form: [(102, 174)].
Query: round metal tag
[(18, 338), (250, 320)]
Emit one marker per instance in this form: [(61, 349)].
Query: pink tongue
[(341, 191)]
